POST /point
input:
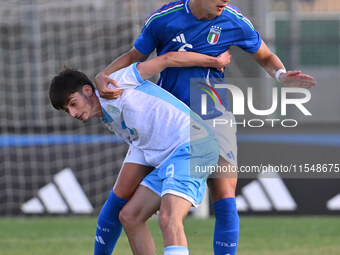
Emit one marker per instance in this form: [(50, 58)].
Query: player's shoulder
[(233, 13), (165, 13), (127, 77)]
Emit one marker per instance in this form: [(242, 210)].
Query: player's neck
[(97, 110), (198, 11)]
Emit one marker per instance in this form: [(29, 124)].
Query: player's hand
[(223, 60), (117, 93), (297, 79), (102, 83)]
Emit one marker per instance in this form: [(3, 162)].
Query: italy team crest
[(214, 35)]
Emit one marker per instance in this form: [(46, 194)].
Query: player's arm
[(182, 59), (102, 79), (274, 67)]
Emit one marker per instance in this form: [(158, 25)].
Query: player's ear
[(87, 90)]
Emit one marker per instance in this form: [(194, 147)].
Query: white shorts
[(225, 133)]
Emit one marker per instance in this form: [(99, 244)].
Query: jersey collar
[(186, 5), (107, 118)]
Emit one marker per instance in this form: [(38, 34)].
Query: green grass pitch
[(259, 235)]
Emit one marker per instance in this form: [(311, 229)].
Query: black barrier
[(267, 192), (313, 189)]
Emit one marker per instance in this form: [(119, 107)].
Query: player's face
[(79, 107), (213, 8)]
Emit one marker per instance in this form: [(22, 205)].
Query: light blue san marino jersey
[(174, 28), (149, 117)]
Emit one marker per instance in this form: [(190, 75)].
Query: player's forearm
[(188, 59), (117, 64), (268, 60), (272, 64), (123, 61), (175, 59)]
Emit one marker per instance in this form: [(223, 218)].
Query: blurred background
[(49, 161)]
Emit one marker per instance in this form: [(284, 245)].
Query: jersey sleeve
[(147, 41), (251, 41), (127, 78)]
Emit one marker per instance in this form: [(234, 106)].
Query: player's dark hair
[(67, 82)]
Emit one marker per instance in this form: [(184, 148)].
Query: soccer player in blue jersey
[(173, 140), (209, 27)]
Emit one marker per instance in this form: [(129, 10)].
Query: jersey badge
[(214, 35), (113, 110)]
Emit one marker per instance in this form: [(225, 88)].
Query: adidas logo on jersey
[(181, 39)]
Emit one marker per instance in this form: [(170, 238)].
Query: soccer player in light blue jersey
[(167, 135), (209, 27)]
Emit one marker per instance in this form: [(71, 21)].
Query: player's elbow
[(136, 56), (168, 56), (263, 60), (168, 60)]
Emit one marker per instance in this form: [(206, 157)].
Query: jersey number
[(170, 171), (187, 45)]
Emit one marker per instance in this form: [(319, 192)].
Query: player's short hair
[(67, 82)]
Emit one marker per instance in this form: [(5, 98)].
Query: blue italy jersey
[(174, 28)]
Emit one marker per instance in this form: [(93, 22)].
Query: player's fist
[(223, 60), (102, 83)]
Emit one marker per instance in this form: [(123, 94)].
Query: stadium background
[(37, 38)]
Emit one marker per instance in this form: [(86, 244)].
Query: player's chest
[(202, 37), (116, 123), (112, 117)]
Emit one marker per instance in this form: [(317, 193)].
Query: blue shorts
[(178, 176)]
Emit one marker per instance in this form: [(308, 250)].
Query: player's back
[(150, 118)]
